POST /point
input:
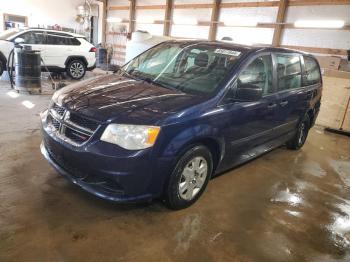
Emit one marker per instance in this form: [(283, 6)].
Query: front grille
[(69, 126), (76, 136), (59, 109), (55, 124), (83, 122)]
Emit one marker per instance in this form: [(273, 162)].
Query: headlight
[(131, 137)]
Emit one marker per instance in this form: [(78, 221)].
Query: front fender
[(199, 133)]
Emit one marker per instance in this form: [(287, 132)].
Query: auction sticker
[(227, 52)]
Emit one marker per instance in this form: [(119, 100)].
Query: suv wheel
[(2, 67), (300, 137), (76, 69), (189, 178)]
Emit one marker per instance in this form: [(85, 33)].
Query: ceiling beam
[(215, 12), (239, 4), (282, 7), (168, 17), (318, 2)]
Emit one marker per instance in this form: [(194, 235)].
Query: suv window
[(312, 72), (61, 39), (33, 38), (288, 71), (258, 73)]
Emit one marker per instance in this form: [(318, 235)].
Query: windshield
[(191, 68), (8, 33)]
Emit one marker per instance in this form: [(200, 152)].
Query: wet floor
[(283, 206)]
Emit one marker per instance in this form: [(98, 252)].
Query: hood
[(120, 99)]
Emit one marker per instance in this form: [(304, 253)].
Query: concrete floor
[(283, 206)]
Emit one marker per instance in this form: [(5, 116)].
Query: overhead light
[(241, 22), (114, 20), (185, 21), (145, 20), (319, 23)]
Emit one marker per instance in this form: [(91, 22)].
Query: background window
[(288, 71), (312, 71), (259, 74)]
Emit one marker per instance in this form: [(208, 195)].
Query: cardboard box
[(329, 62)]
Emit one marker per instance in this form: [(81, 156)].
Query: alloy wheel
[(76, 69), (302, 133)]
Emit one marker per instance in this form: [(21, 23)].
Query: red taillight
[(93, 49)]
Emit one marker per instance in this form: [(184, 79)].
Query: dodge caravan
[(177, 115)]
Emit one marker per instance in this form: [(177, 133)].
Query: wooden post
[(282, 7), (132, 15), (214, 20), (168, 17), (104, 21)]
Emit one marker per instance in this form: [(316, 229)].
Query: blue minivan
[(177, 115)]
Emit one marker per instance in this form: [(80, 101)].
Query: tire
[(76, 69), (189, 178), (2, 67), (300, 137)]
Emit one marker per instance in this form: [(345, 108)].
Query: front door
[(36, 40), (249, 125)]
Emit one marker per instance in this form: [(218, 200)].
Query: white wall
[(318, 37), (42, 12), (335, 38)]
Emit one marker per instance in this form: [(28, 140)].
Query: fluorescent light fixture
[(145, 20), (185, 21), (12, 94), (28, 104), (114, 20), (241, 22), (319, 23)]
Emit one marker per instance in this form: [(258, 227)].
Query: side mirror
[(248, 92), (19, 40)]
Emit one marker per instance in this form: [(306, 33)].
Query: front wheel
[(300, 137), (189, 178), (76, 69)]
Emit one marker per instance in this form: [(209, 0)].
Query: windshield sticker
[(227, 52)]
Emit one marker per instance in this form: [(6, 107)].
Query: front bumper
[(98, 187)]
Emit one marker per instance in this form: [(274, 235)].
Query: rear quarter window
[(312, 73)]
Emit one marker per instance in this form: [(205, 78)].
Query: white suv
[(60, 51)]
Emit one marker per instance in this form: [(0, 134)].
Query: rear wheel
[(189, 178), (300, 137), (76, 69)]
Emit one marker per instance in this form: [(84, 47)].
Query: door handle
[(284, 103), (271, 106)]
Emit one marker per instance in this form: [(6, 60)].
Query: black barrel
[(28, 70), (101, 56)]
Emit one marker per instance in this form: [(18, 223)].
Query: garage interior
[(282, 206)]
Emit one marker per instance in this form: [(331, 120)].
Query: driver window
[(259, 74), (33, 38)]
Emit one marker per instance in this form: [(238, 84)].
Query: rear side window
[(259, 74), (288, 71), (61, 39), (312, 72)]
